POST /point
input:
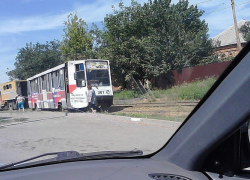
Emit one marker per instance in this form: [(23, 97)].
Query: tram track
[(162, 112), (160, 104), (160, 108)]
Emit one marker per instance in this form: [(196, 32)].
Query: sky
[(25, 21)]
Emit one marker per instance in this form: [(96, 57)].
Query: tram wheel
[(60, 108), (35, 108), (11, 106)]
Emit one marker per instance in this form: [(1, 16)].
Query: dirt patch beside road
[(174, 111)]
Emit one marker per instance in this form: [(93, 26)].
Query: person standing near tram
[(91, 99), (20, 102)]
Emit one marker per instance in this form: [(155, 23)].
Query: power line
[(204, 2), (217, 10), (227, 7)]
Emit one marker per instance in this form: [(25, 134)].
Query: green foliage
[(245, 30), (35, 58), (126, 94), (215, 58), (77, 41), (149, 40), (189, 91), (98, 42), (179, 38)]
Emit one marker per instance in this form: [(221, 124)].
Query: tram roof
[(47, 71), (59, 67)]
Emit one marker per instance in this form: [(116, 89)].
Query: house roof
[(228, 36)]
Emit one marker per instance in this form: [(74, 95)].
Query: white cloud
[(243, 12), (4, 49), (13, 39), (223, 19), (31, 23), (218, 13), (97, 10), (89, 12), (6, 59), (94, 12)]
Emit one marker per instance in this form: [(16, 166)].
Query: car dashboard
[(105, 169)]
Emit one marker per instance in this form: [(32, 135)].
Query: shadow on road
[(116, 108), (4, 118)]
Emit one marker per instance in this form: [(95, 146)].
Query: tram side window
[(10, 86), (39, 84), (61, 79), (4, 87), (54, 80), (80, 75), (18, 89), (79, 67), (28, 87), (49, 84), (34, 85), (44, 84), (31, 86)]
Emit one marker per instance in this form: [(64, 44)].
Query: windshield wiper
[(73, 155), (96, 86)]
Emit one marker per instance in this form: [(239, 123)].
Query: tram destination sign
[(96, 65)]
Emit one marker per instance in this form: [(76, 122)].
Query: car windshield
[(114, 75)]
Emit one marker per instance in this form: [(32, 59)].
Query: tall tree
[(150, 40), (35, 58), (178, 38), (98, 42), (124, 42), (77, 41)]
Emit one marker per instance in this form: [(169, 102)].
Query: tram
[(65, 86)]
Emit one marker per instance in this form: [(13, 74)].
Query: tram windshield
[(98, 77)]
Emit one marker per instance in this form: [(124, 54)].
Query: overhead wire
[(227, 7), (216, 6), (204, 2)]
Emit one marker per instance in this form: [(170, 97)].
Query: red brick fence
[(189, 74)]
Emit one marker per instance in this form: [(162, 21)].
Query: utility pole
[(236, 26)]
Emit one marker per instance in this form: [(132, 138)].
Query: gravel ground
[(27, 134)]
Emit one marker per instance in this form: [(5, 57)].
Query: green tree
[(35, 58), (124, 42), (98, 42), (77, 41), (178, 38), (245, 30), (150, 40)]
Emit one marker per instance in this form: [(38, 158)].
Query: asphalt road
[(27, 134)]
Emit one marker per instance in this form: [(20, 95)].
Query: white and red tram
[(65, 86)]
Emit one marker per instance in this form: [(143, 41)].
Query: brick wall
[(229, 50), (189, 74), (201, 72)]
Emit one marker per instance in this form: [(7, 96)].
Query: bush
[(188, 91)]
